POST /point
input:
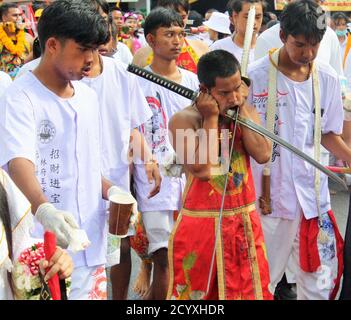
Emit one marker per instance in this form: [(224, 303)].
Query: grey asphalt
[(340, 205)]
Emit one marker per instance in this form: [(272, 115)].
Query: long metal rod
[(259, 129), (219, 227), (192, 95)]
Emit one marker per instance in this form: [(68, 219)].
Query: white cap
[(219, 22)]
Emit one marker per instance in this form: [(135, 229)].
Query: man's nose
[(234, 98), (308, 53)]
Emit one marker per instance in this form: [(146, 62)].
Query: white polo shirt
[(164, 104), (292, 179), (61, 137), (123, 107)]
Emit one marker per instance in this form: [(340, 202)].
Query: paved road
[(340, 205)]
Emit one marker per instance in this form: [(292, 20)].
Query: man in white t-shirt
[(296, 229), (165, 34), (51, 141), (123, 108), (115, 49), (238, 12), (329, 49)]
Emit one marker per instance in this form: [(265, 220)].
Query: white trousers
[(158, 226), (88, 283), (282, 242)]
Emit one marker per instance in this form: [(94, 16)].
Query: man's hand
[(207, 106), (153, 174), (60, 263), (62, 223)]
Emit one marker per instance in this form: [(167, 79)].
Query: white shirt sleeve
[(17, 128), (140, 110), (332, 120)]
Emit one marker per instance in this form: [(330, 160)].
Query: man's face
[(228, 92), (108, 49), (13, 15), (117, 18), (184, 14), (300, 51), (72, 60), (239, 20), (167, 42)]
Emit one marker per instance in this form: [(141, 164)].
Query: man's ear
[(150, 38), (233, 18), (52, 45), (204, 89), (282, 36)]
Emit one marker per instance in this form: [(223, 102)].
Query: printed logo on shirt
[(155, 129), (46, 131)]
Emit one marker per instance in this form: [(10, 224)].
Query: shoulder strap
[(347, 49)]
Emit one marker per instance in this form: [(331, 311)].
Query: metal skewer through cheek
[(232, 114)]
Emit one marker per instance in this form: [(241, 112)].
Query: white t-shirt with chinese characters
[(164, 104), (62, 138), (292, 179), (228, 44), (5, 81), (29, 66), (123, 108), (21, 222), (328, 52), (123, 53)]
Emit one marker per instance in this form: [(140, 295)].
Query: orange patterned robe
[(241, 267)]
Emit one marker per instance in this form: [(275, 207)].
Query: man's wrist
[(151, 160)]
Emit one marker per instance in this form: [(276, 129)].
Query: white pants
[(158, 227), (282, 242), (88, 283)]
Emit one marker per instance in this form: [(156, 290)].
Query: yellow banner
[(328, 5)]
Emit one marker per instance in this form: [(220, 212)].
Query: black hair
[(36, 48), (211, 10), (266, 18), (99, 4), (216, 64), (237, 5), (5, 7), (340, 16), (271, 23), (174, 4), (304, 17), (5, 218), (66, 19), (161, 17), (197, 18)]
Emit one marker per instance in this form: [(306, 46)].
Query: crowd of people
[(241, 218)]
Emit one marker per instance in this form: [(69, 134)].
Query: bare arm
[(257, 146), (337, 146), (142, 151), (198, 151), (22, 172)]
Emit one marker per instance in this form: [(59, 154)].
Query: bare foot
[(142, 282)]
